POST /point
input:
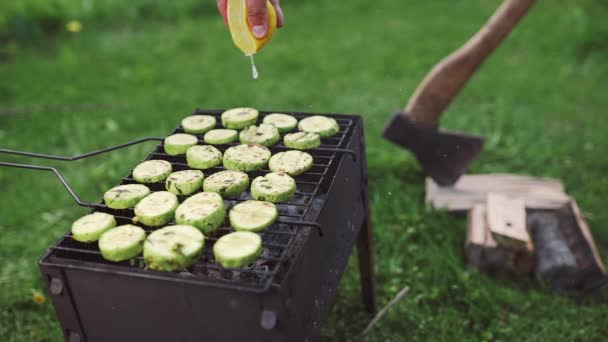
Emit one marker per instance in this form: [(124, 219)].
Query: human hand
[(256, 14)]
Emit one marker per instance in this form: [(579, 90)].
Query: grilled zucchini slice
[(239, 118), (90, 227), (220, 136), (125, 196), (184, 182), (228, 183), (283, 122), (302, 140), (179, 143), (237, 249), (273, 187), (246, 157), (253, 216), (152, 171), (156, 209), (173, 248), (198, 124), (264, 134), (292, 162), (205, 211), (322, 125), (122, 243), (203, 157)]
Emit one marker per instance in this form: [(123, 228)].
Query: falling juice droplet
[(254, 69)]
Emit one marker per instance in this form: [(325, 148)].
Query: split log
[(538, 193), (483, 253), (565, 253), (507, 222), (555, 262)]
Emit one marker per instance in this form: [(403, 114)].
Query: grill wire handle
[(61, 179), (97, 152), (64, 158), (80, 156)]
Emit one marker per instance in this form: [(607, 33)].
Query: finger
[(222, 5), (258, 17), (277, 7)]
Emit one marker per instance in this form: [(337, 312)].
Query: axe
[(445, 155)]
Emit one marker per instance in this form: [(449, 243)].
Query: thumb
[(221, 5), (258, 17)]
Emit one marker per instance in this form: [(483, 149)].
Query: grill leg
[(365, 247)]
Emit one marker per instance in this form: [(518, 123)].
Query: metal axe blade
[(444, 155)]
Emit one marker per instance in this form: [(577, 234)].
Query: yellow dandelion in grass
[(73, 26), (38, 297)]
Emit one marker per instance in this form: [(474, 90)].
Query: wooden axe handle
[(448, 77)]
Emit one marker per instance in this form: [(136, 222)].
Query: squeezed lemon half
[(239, 27)]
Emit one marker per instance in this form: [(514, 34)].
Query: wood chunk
[(584, 229), (539, 193), (484, 254), (476, 236), (566, 255), (555, 263), (507, 222), (592, 271)]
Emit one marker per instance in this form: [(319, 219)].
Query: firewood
[(567, 258), (483, 253), (507, 222), (538, 193), (555, 262)]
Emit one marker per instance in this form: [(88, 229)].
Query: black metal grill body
[(285, 296)]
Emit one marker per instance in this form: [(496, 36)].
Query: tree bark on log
[(555, 263)]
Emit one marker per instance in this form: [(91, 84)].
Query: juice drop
[(254, 69)]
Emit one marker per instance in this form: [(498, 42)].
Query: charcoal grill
[(284, 296)]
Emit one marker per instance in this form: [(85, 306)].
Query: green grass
[(539, 101)]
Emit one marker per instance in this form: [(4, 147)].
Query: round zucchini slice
[(239, 118), (228, 183), (156, 209), (205, 211), (184, 182), (198, 124), (273, 187), (203, 157), (125, 196), (179, 143), (283, 122), (90, 227), (173, 248), (152, 171), (122, 243), (253, 216), (322, 125), (302, 140), (292, 162), (221, 136), (246, 157), (237, 249), (264, 134)]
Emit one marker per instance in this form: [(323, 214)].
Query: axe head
[(444, 156)]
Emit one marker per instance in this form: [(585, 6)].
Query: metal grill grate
[(295, 217)]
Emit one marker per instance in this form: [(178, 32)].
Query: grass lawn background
[(540, 101)]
